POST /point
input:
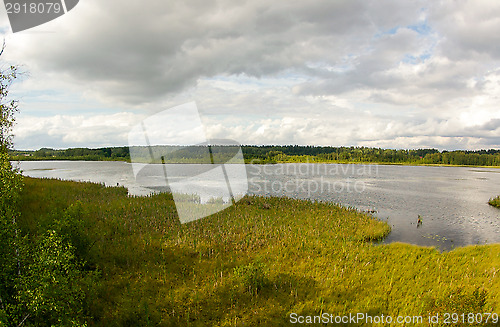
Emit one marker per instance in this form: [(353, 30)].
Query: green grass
[(254, 263), (495, 202)]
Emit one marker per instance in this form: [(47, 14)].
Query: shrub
[(48, 290)]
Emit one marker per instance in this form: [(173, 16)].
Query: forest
[(277, 154)]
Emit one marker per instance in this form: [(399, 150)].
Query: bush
[(74, 229), (48, 290), (10, 242), (40, 280)]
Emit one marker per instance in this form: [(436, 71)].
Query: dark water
[(452, 201)]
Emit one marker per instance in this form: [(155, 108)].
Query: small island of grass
[(495, 202)]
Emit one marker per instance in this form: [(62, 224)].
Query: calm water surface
[(452, 201)]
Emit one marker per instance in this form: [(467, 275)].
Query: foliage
[(10, 240), (49, 291), (10, 186), (100, 154), (7, 107), (42, 281), (276, 154), (74, 230)]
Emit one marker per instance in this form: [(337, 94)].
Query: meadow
[(254, 264)]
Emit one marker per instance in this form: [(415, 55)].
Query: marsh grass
[(253, 263), (495, 202)]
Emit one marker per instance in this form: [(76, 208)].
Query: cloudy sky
[(392, 74)]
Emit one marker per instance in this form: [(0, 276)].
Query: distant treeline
[(100, 154), (372, 155), (273, 154)]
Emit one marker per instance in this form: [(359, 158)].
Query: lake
[(451, 201)]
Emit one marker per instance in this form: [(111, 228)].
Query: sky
[(390, 74)]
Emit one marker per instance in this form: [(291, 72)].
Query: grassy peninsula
[(254, 264)]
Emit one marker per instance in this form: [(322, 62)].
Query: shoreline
[(272, 163), (377, 241)]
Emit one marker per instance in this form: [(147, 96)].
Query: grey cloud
[(492, 125), (468, 28), (334, 60), (137, 52)]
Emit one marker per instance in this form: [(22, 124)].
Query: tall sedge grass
[(254, 263)]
